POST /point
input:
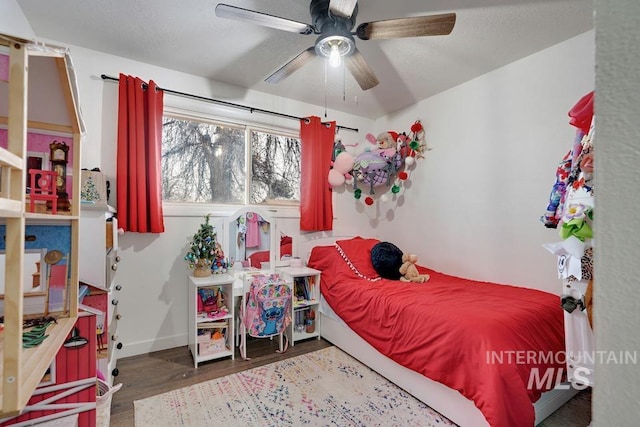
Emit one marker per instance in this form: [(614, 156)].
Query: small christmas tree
[(202, 250)]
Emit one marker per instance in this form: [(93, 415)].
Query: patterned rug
[(322, 388)]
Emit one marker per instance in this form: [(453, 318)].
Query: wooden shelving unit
[(24, 106)]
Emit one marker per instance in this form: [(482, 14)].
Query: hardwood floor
[(150, 374)]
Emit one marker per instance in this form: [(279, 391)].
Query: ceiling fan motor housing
[(320, 13), (333, 30)]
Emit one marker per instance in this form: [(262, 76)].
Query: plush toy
[(387, 140), (384, 140), (342, 167), (409, 271)]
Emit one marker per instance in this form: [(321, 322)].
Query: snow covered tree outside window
[(275, 163), (206, 162)]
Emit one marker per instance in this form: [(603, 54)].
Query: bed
[(453, 343)]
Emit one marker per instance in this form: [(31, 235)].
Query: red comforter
[(482, 339)]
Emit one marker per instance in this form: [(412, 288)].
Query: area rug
[(323, 388)]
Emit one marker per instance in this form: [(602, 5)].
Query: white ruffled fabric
[(353, 267)]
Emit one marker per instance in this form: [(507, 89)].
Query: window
[(205, 162), (202, 162), (275, 163)]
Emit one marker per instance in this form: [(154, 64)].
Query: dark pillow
[(387, 260)]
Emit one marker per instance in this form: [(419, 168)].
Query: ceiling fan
[(333, 22)]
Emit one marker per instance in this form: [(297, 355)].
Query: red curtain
[(139, 183), (316, 206)]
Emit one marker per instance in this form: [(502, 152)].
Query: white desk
[(239, 276)]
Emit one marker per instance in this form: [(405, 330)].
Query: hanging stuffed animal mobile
[(382, 166)]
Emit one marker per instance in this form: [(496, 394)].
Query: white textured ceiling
[(186, 36)]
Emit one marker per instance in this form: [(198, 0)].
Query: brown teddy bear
[(409, 271)]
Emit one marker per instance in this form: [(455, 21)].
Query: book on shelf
[(301, 288)]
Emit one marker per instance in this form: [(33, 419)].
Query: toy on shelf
[(211, 303)]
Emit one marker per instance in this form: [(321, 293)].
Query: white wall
[(153, 275), (475, 201), (13, 21), (616, 316)]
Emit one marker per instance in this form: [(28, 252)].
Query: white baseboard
[(149, 346)]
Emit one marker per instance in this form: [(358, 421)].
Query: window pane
[(275, 164), (202, 162)]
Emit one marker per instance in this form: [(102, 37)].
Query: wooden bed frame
[(446, 401)]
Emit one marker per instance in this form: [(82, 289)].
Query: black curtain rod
[(229, 104)]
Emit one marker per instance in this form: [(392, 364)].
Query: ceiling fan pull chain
[(344, 84), (325, 88)]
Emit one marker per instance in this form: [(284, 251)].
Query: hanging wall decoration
[(382, 167)]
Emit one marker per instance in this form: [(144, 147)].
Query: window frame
[(286, 209)]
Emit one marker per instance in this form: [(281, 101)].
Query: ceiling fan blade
[(292, 66), (361, 71), (343, 8), (264, 19), (432, 25)]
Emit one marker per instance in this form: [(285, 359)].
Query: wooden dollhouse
[(38, 102)]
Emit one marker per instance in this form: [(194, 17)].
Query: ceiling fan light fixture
[(335, 47)]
